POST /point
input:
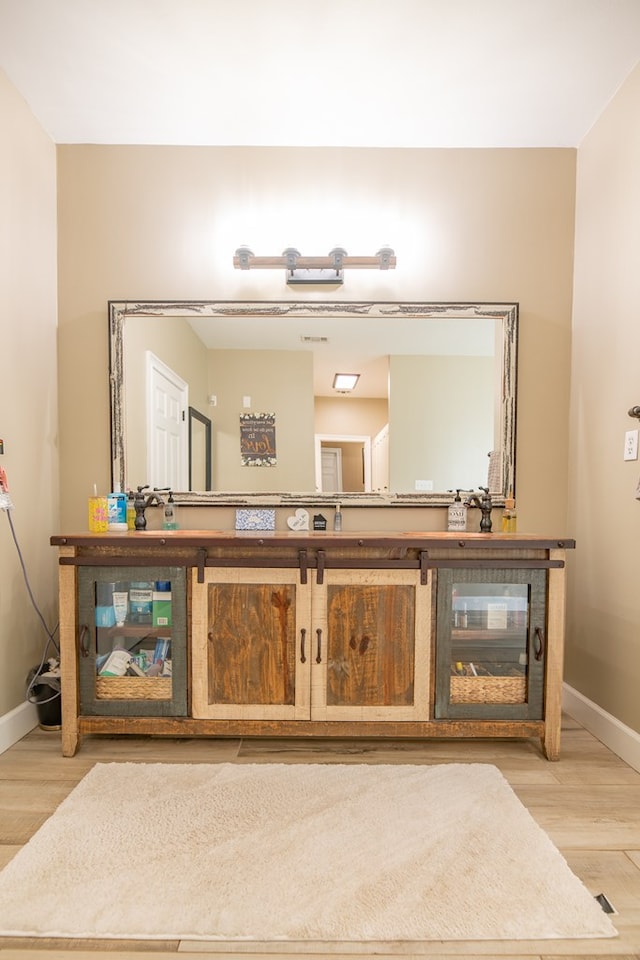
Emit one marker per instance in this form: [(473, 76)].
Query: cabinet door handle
[(538, 648), (83, 641), (303, 635), (319, 654)]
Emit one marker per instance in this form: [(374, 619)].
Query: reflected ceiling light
[(299, 269), (345, 382)]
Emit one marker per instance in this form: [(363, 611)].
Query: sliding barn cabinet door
[(354, 647), (371, 653), (250, 644)]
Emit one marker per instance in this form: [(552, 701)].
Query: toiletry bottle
[(117, 509), (509, 515), (131, 511), (98, 512), (457, 514), (170, 521), (337, 518)]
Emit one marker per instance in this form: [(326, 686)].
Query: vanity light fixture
[(345, 382), (325, 270)]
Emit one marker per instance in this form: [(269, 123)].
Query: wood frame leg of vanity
[(555, 658), (68, 655)]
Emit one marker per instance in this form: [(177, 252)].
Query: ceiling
[(361, 73), (351, 73)]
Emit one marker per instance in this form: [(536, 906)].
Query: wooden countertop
[(318, 539)]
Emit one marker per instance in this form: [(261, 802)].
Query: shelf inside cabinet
[(141, 631)]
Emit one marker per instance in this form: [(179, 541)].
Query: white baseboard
[(624, 741), (17, 724)]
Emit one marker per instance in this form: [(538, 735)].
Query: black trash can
[(43, 689)]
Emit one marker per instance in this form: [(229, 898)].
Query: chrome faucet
[(140, 504), (485, 505)]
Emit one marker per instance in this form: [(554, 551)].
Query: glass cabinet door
[(132, 641), (490, 643)]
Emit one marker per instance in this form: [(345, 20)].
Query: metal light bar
[(301, 269)]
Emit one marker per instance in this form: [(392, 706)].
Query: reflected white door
[(380, 461), (331, 469), (167, 405)]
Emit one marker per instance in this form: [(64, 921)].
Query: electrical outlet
[(246, 402), (631, 445)]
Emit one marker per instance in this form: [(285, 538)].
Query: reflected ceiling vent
[(314, 339)]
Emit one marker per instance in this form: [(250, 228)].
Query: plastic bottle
[(337, 518), (117, 509), (509, 515), (98, 512), (170, 521), (131, 511), (457, 514)]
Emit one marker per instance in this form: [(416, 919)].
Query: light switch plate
[(631, 445)]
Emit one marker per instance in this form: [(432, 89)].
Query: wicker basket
[(488, 690), (133, 688)]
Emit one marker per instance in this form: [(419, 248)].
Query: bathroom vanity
[(300, 634)]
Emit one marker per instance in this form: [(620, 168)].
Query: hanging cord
[(53, 682)]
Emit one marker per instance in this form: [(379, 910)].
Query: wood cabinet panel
[(249, 645), (251, 636), (376, 660), (370, 645)]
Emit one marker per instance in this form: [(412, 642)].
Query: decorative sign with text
[(258, 439)]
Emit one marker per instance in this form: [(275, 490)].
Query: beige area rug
[(294, 852)]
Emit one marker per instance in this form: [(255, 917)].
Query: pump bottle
[(170, 521), (457, 514), (337, 518)]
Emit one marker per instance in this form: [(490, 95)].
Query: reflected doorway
[(343, 463), (167, 402)]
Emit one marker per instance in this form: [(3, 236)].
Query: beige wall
[(351, 416), (432, 402), (281, 385), (603, 656), (163, 223), (28, 401)]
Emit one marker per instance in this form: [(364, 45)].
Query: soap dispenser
[(457, 514), (337, 518), (170, 521)]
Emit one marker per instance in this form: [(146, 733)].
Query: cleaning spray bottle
[(457, 513)]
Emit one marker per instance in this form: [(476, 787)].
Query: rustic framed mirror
[(436, 396)]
